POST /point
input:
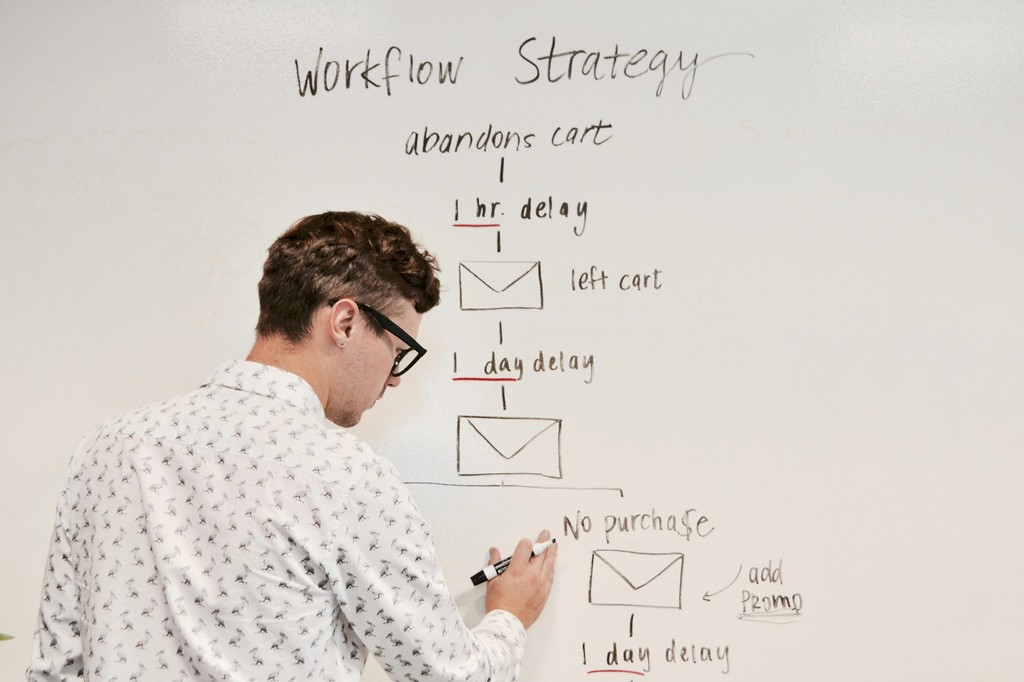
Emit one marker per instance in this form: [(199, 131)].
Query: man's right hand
[(523, 588)]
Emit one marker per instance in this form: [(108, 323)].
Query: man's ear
[(341, 320)]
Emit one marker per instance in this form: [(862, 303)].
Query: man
[(230, 534)]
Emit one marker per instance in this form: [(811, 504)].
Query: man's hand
[(523, 588)]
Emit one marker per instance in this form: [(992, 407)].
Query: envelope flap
[(510, 436), (638, 568), (499, 276)]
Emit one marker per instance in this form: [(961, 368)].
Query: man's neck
[(298, 358)]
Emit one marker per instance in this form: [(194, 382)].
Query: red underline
[(476, 225), (483, 379), (630, 672)]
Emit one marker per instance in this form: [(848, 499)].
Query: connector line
[(484, 379), (618, 491)]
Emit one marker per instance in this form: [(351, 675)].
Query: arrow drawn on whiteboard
[(709, 595)]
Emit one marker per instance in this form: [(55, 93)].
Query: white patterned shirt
[(231, 534)]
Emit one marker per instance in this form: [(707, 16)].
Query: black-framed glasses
[(407, 357)]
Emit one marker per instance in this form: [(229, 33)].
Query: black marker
[(494, 570)]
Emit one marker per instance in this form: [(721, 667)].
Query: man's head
[(342, 255), (345, 291)]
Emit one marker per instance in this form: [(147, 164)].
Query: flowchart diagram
[(513, 449)]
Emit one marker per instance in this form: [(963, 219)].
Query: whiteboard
[(743, 278)]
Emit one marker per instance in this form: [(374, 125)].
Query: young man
[(231, 534)]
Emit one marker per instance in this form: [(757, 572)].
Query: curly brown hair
[(342, 255)]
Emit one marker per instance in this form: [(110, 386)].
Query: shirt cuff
[(506, 618), (504, 625)]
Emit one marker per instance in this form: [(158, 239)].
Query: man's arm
[(395, 599), (57, 644)]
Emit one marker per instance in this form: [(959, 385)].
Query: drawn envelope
[(500, 285), (622, 578), (509, 445)]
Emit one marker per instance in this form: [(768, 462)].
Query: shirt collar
[(272, 382)]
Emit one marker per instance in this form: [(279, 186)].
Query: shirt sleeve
[(57, 643), (393, 595)]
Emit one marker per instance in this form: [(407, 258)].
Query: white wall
[(832, 370)]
